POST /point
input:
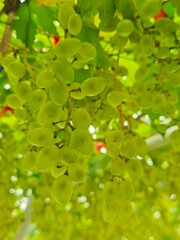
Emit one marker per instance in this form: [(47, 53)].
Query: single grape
[(125, 27), (40, 136), (150, 8), (58, 168), (118, 166), (175, 139), (59, 92), (50, 112), (113, 149), (75, 91), (63, 70), (38, 98), (165, 26), (68, 155), (74, 24), (63, 189), (45, 79), (81, 140), (16, 69), (68, 47), (134, 169), (81, 118), (23, 90), (76, 172), (86, 52), (93, 86), (114, 136), (126, 189), (64, 13), (141, 73), (147, 44), (21, 113), (14, 101), (115, 98), (29, 160), (47, 156)]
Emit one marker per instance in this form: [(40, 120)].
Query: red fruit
[(100, 145), (5, 110), (160, 15), (56, 39)]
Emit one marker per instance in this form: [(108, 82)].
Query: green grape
[(158, 101), (150, 8), (81, 140), (172, 97), (81, 118), (134, 169), (23, 90), (68, 155), (63, 189), (147, 44), (76, 172), (165, 26), (75, 91), (123, 71), (86, 52), (132, 106), (108, 212), (14, 101), (141, 73), (127, 190), (175, 139), (134, 37), (124, 210), (118, 42), (128, 148), (29, 160), (16, 69), (93, 86), (49, 113), (21, 113), (118, 166), (115, 136), (125, 27), (163, 52), (59, 92), (58, 168), (38, 98), (63, 70), (47, 156), (67, 47), (64, 13), (115, 98), (40, 136), (7, 59), (74, 24), (113, 149), (45, 79), (110, 192)]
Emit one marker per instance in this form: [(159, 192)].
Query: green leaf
[(25, 26), (45, 18)]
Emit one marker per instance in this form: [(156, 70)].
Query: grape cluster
[(75, 91)]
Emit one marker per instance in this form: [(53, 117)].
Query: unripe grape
[(29, 159), (93, 86), (45, 79), (38, 98), (115, 136), (134, 169), (141, 73), (75, 91), (14, 101), (86, 52), (68, 155), (115, 98), (175, 139), (147, 44), (63, 189), (81, 140), (50, 112), (21, 113), (118, 166), (76, 172), (58, 169), (59, 92), (16, 69), (150, 8), (47, 156), (126, 189), (81, 118), (63, 70), (165, 26), (40, 136), (74, 24), (23, 90), (67, 47), (64, 13), (125, 28)]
